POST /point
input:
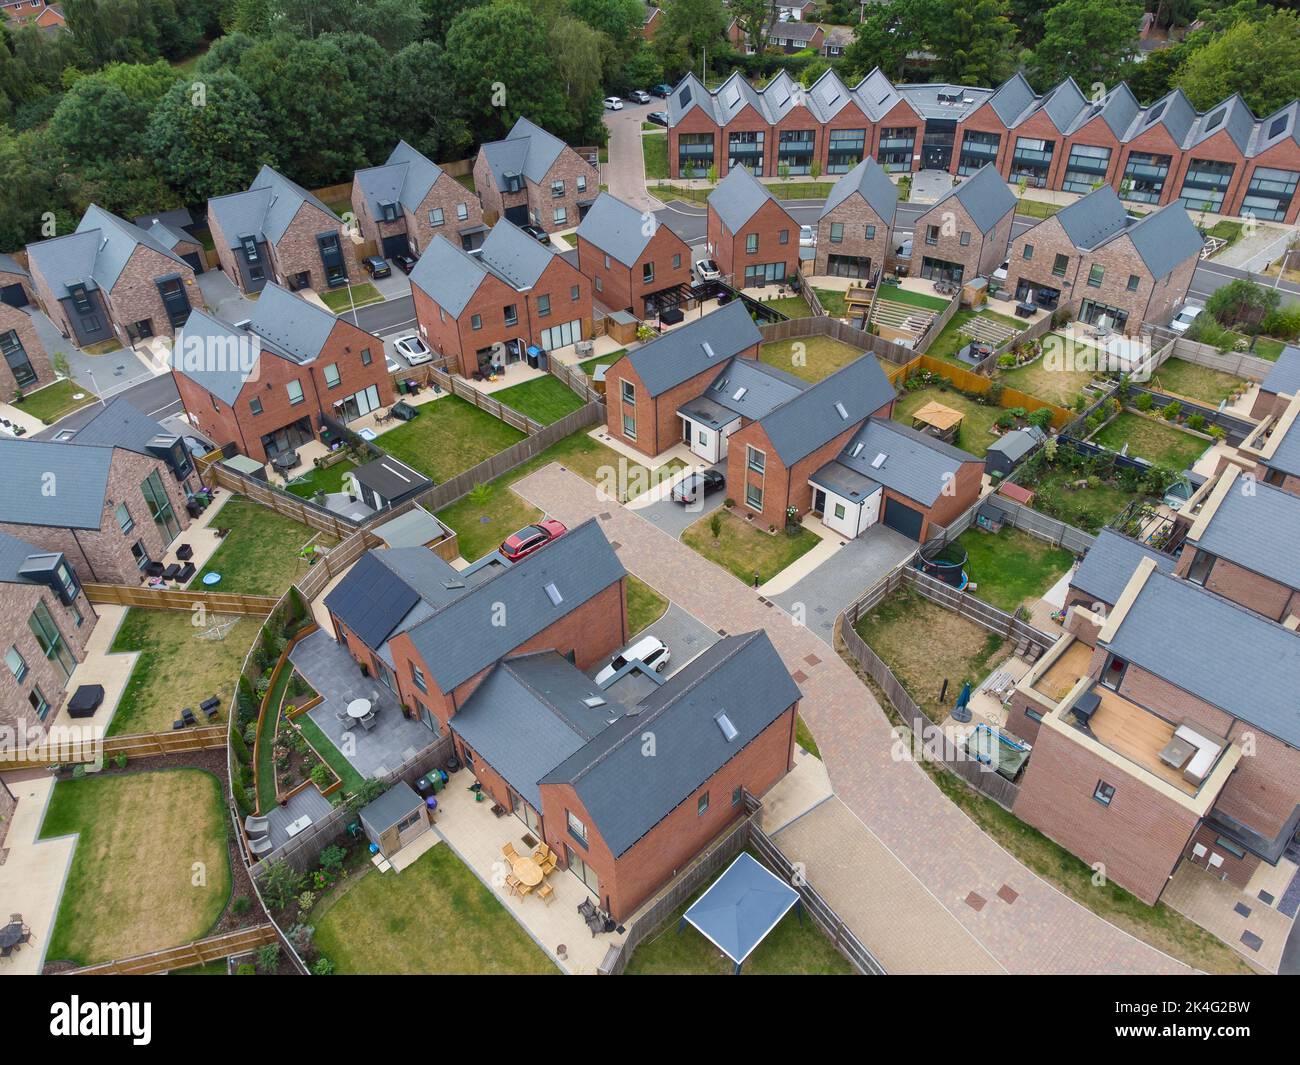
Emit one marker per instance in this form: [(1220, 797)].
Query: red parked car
[(532, 538)]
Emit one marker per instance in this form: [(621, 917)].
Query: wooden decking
[(1138, 735)]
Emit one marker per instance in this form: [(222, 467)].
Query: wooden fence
[(180, 599), (1239, 364), (300, 510), (1055, 532), (78, 745), (977, 384), (794, 328), (805, 289), (938, 324), (265, 705), (338, 558), (200, 952), (458, 386), (576, 380)]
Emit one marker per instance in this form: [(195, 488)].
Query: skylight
[(708, 349), (1277, 126), (740, 392), (857, 449), (879, 461), (1215, 120), (722, 383), (593, 701), (839, 409), (729, 731), (554, 594)]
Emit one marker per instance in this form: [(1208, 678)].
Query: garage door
[(518, 215), (397, 244), (14, 295), (904, 519), (195, 260)]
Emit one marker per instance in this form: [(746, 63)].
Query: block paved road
[(950, 860)]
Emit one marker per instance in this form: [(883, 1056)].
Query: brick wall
[(11, 318), (620, 286), (696, 121), (854, 214), (982, 254), (135, 296), (297, 250), (768, 222), (17, 601), (782, 487), (1252, 590)]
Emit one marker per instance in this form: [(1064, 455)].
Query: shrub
[(1284, 322), (323, 967), (1171, 411), (1005, 420), (1197, 422), (241, 905), (1144, 402), (1218, 432), (332, 858), (245, 969), (280, 884), (321, 775), (268, 957), (240, 796), (120, 761), (239, 746), (302, 937), (1041, 418)]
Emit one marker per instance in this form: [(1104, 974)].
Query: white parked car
[(1183, 319), (649, 651), (807, 237), (413, 349), (393, 365), (707, 270), (613, 103), (1000, 274)]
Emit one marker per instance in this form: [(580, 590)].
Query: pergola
[(741, 907), (944, 421)]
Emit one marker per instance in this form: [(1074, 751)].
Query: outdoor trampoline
[(948, 564)]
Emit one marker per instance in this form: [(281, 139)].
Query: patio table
[(358, 708), (11, 934), (527, 870), (293, 829)]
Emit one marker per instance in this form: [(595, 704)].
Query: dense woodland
[(149, 104)]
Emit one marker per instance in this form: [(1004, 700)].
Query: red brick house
[(26, 364), (40, 13), (1281, 383), (1273, 450), (488, 308), (651, 20), (1095, 260), (964, 235), (753, 239), (111, 280), (634, 263), (295, 373), (277, 231), (854, 228), (534, 177), (401, 206)]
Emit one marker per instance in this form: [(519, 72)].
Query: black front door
[(14, 295), (518, 215)]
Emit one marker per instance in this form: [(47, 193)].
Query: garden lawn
[(745, 550), (492, 511), (832, 302), (1087, 508), (352, 780), (898, 294), (1036, 208), (645, 606), (1011, 566), (790, 306), (589, 367), (821, 356), (950, 340), (55, 401), (338, 300), (329, 479), (141, 838), (654, 147), (447, 437), (435, 917), (977, 418), (1149, 439), (544, 399), (259, 556), (1059, 386), (467, 180), (1196, 382), (795, 947), (923, 645), (176, 669)]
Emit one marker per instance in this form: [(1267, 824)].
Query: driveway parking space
[(674, 518), (683, 634)]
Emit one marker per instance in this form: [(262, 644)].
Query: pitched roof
[(264, 210), (984, 195), (448, 275), (1286, 452), (627, 794), (1093, 219), (391, 806), (202, 336), (119, 424), (1284, 378), (1166, 238), (51, 484), (693, 348), (514, 256), (915, 464), (527, 149), (1214, 649), (1012, 99), (870, 181), (738, 198), (96, 254), (833, 405), (406, 178), (385, 585), (1250, 530), (743, 388), (291, 325), (9, 265), (618, 229), (14, 554), (1110, 564)]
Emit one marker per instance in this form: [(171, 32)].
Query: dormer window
[(388, 211), (249, 244), (79, 295)]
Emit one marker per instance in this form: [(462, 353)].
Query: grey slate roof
[(448, 275), (13, 554), (869, 179), (265, 210), (738, 198), (1286, 456), (202, 334), (812, 418), (1094, 218), (291, 325), (1111, 562), (51, 484), (121, 424), (628, 794), (391, 806), (1217, 651), (1284, 378), (1166, 238), (680, 354), (95, 254), (406, 178), (752, 389), (916, 465), (1018, 443), (460, 639), (985, 196), (391, 478), (616, 228), (9, 265), (1259, 532), (527, 149), (514, 256), (1012, 99)]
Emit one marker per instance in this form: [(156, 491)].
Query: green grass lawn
[(832, 302), (434, 917), (467, 180), (951, 340), (790, 306), (544, 399), (1089, 508), (447, 437), (743, 549), (1036, 208), (1202, 383), (1012, 566), (810, 358), (645, 606), (144, 839), (328, 479), (589, 367), (1268, 348), (259, 556), (1148, 439), (176, 669), (804, 737), (490, 513), (898, 294), (56, 401), (265, 765), (352, 780), (977, 418), (338, 300), (1038, 378), (795, 947), (655, 149)]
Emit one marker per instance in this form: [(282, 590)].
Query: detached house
[(754, 240), (111, 280), (292, 374), (1097, 261), (279, 232), (45, 621), (401, 206), (26, 362), (634, 263), (534, 177), (964, 235), (853, 230), (488, 308)]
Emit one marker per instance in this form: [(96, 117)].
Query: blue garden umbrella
[(961, 712)]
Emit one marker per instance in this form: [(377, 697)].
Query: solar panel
[(684, 97)]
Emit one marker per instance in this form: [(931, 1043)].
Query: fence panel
[(1240, 364), (1043, 526), (180, 599), (937, 325), (300, 510)]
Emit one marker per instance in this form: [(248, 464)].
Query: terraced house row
[(1225, 160)]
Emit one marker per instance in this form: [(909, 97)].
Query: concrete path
[(625, 171), (902, 811), (34, 870)]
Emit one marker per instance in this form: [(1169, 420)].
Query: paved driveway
[(826, 591), (625, 171), (1023, 923), (224, 300), (683, 634), (674, 518)]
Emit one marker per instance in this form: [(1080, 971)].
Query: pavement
[(625, 171), (1020, 922), (34, 870)]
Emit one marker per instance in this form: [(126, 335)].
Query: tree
[(440, 14), (96, 122), (144, 83), (253, 17), (689, 28), (889, 34), (754, 17), (208, 149), (1088, 40), (974, 43), (426, 112), (1255, 59), (575, 50), (1242, 303)]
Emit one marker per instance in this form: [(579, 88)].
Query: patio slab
[(98, 666), (1213, 904), (34, 871)]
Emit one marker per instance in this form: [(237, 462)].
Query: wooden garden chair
[(509, 852), (546, 893)]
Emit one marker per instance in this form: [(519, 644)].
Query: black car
[(376, 267), (659, 118), (536, 232), (405, 262), (692, 488)]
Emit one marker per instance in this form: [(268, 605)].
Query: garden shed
[(1010, 449), (397, 818)]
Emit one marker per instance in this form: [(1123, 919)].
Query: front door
[(819, 501)]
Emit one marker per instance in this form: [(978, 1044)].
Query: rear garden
[(750, 554), (1086, 491), (544, 399), (1048, 380), (1010, 566), (1158, 443), (447, 437), (327, 479), (150, 869), (1245, 317), (976, 431), (1202, 383), (263, 552), (810, 358), (957, 333)]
